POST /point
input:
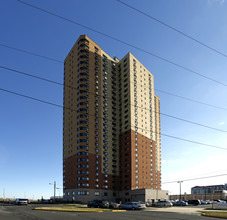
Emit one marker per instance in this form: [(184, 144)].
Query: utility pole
[(157, 194), (54, 188), (180, 188)]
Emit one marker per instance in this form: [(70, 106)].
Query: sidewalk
[(185, 210)]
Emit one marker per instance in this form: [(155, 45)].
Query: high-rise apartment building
[(111, 125)]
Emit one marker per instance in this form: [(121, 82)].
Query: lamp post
[(54, 188), (157, 194), (180, 188), (58, 191)]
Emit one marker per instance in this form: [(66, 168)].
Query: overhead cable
[(158, 90), (30, 53), (60, 106), (61, 84), (173, 28), (198, 178), (123, 42)]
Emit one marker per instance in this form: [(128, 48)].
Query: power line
[(173, 28), (159, 90), (183, 139), (32, 98), (61, 84), (191, 100), (60, 106), (198, 178), (32, 76), (123, 42), (30, 53), (194, 142), (181, 119)]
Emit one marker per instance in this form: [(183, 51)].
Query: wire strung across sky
[(123, 42), (62, 62), (158, 90), (173, 28), (30, 53), (198, 178), (71, 109), (191, 100), (110, 98)]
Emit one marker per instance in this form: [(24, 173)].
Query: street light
[(54, 188), (58, 190), (180, 188)]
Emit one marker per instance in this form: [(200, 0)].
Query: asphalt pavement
[(13, 212)]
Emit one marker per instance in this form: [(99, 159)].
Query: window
[(83, 192), (82, 92), (83, 40), (82, 166), (82, 97), (82, 128), (82, 141), (83, 172), (82, 116), (82, 159), (83, 86), (82, 147), (83, 110), (82, 134), (83, 74), (96, 193), (82, 122), (82, 153)]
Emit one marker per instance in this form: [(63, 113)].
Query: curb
[(210, 215), (40, 209)]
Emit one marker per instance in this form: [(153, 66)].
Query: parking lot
[(13, 212)]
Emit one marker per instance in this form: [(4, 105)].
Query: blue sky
[(31, 132)]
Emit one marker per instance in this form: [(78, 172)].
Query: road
[(12, 212)]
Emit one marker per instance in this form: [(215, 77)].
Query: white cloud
[(211, 2), (221, 123), (198, 169)]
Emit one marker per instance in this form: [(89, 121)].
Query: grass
[(217, 214), (74, 208), (77, 205)]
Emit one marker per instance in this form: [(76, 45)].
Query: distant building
[(217, 194), (208, 189), (111, 126)]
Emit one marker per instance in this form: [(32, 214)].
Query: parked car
[(203, 202), (132, 205), (113, 205), (98, 204), (21, 201), (165, 203), (208, 202), (194, 202), (148, 204), (48, 201), (221, 202), (180, 203)]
